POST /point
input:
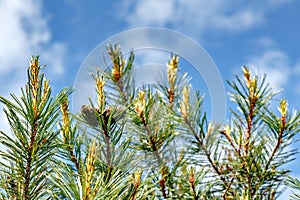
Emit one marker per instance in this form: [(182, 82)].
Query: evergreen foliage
[(149, 143)]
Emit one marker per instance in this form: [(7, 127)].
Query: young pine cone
[(91, 115)]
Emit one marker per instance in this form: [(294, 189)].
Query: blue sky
[(261, 34)]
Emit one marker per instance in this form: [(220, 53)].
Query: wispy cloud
[(25, 32), (197, 17), (262, 42), (282, 72), (227, 16), (275, 64)]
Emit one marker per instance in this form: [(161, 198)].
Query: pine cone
[(89, 115)]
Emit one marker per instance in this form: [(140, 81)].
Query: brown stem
[(227, 189), (132, 197), (223, 132), (108, 153), (157, 155), (29, 160), (153, 142), (279, 141), (207, 154), (105, 123), (249, 124), (193, 188), (74, 159), (171, 96), (252, 102), (121, 89)]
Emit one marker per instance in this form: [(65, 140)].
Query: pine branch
[(32, 145)]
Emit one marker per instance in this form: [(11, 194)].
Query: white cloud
[(196, 16), (239, 21), (275, 64), (275, 3), (54, 58), (264, 41), (281, 71), (155, 12), (25, 32)]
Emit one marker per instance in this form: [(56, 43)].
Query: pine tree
[(32, 143), (149, 143)]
